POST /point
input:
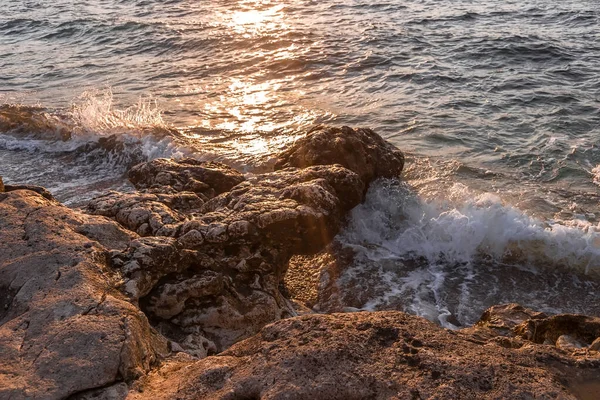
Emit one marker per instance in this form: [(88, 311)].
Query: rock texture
[(217, 274), (360, 150), (64, 328), (201, 253), (219, 244), (206, 178), (381, 355)]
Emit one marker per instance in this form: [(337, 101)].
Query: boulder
[(360, 150), (188, 174), (367, 355), (230, 249), (219, 276), (64, 328)]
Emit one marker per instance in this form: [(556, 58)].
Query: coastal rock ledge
[(177, 291)]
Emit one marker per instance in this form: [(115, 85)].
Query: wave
[(463, 227), (449, 258), (86, 148)]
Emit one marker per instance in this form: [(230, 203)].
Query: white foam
[(464, 226), (94, 112)]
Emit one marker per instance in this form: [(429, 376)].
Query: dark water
[(497, 103)]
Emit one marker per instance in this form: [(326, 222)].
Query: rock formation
[(135, 298), (360, 150), (64, 328), (386, 355), (223, 242)]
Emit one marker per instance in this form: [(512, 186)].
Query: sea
[(496, 105)]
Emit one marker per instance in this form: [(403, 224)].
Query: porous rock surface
[(379, 355), (64, 328), (216, 274), (207, 267), (218, 258), (361, 150)]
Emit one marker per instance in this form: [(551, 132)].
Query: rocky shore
[(209, 284)]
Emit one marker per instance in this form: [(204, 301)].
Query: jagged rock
[(64, 329), (143, 213), (377, 355), (207, 178), (148, 260), (360, 150), (240, 239), (238, 247), (572, 328)]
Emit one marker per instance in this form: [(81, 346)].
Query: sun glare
[(253, 19)]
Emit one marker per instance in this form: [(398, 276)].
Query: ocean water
[(497, 105)]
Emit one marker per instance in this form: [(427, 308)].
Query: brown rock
[(220, 279), (38, 189), (1, 185), (64, 329), (381, 355), (578, 328), (360, 150), (144, 213), (206, 178)]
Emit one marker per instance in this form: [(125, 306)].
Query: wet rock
[(378, 355), (206, 178), (360, 150), (581, 329), (64, 329), (505, 317), (238, 241)]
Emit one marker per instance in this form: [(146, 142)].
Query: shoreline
[(143, 285)]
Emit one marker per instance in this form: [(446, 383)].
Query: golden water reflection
[(261, 109)]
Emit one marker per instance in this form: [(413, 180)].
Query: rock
[(117, 391), (240, 240), (1, 185), (595, 346), (144, 214), (38, 189), (360, 150), (504, 318), (64, 329), (375, 355), (575, 328), (219, 276), (568, 343), (206, 178), (145, 261)]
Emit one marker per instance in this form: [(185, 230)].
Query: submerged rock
[(64, 328)]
